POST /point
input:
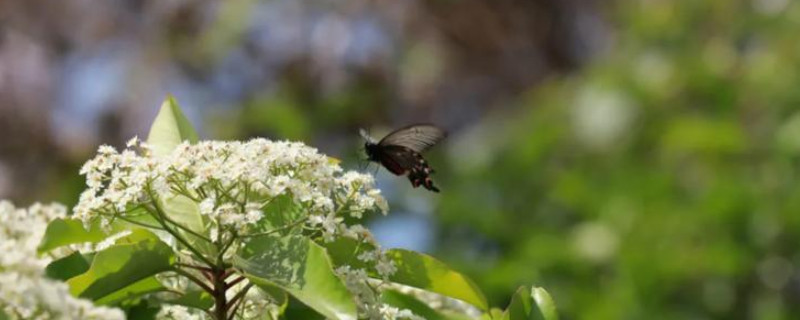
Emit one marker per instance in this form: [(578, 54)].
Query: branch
[(238, 300), (194, 279)]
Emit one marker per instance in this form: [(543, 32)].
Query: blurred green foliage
[(657, 182), (660, 182)]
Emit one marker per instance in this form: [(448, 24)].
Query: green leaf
[(404, 301), (123, 265), (424, 272), (344, 251), (278, 295), (282, 211), (547, 307), (141, 310), (135, 290), (67, 267), (529, 304), (62, 232), (186, 212), (197, 299), (494, 313), (302, 268), (520, 306), (170, 128)]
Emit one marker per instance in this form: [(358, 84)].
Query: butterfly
[(400, 152)]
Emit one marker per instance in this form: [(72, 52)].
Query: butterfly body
[(400, 152)]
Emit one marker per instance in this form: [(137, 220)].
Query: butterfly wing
[(401, 160), (417, 138)]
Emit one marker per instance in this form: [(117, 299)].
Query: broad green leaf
[(547, 307), (3, 315), (137, 214), (186, 212), (197, 299), (136, 235), (419, 308), (520, 306), (494, 313), (141, 310), (122, 265), (344, 251), (135, 290), (282, 211), (67, 267), (62, 232), (278, 295), (298, 310), (527, 304), (170, 128), (424, 272), (302, 268)]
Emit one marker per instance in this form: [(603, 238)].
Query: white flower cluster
[(240, 189), (368, 297), (367, 290), (176, 312), (232, 182), (25, 292)]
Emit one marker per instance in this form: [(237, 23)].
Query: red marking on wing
[(393, 166)]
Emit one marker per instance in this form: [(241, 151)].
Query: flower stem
[(160, 216)]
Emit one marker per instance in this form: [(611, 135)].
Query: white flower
[(175, 312), (109, 241), (133, 142), (254, 213), (387, 312), (207, 206), (24, 289), (385, 267), (368, 256)]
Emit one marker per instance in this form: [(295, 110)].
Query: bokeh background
[(639, 159)]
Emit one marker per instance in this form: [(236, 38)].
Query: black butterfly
[(399, 152)]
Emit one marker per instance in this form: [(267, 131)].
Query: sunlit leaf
[(123, 265), (62, 232), (135, 290), (185, 212), (302, 268), (170, 128), (520, 306), (494, 313), (424, 272), (547, 307), (527, 304)]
